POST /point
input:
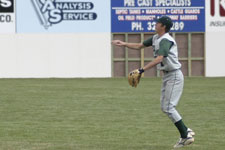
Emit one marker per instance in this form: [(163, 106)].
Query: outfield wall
[(35, 44), (49, 40), (215, 38), (55, 55), (215, 52)]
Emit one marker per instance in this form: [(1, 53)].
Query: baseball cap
[(165, 20)]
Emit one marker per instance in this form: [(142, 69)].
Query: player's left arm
[(153, 63), (165, 46)]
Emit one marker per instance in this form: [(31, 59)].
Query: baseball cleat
[(191, 132), (184, 141)]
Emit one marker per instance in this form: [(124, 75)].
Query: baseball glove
[(134, 77)]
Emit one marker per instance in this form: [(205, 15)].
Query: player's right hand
[(118, 43)]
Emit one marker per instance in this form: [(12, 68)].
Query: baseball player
[(166, 59)]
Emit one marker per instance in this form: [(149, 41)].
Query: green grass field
[(106, 114)]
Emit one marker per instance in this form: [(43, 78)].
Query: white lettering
[(79, 16), (129, 17), (134, 12), (144, 3), (177, 11), (136, 26), (121, 18), (174, 17), (192, 11), (178, 26), (151, 26), (145, 17), (74, 5), (121, 11), (129, 3), (188, 17), (5, 3), (169, 3), (155, 11)]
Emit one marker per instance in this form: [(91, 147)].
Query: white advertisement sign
[(63, 16), (215, 37), (215, 15), (7, 16)]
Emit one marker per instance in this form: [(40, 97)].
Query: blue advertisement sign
[(140, 15)]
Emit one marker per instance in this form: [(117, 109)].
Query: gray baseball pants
[(171, 92)]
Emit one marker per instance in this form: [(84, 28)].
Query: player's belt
[(165, 72)]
